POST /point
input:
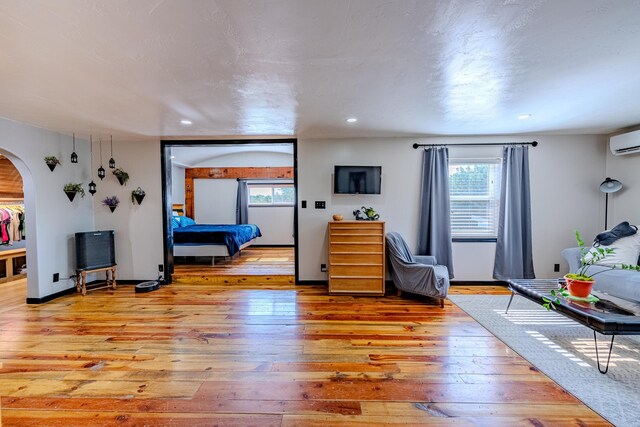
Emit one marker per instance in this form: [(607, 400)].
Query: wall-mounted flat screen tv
[(357, 179), (95, 249)]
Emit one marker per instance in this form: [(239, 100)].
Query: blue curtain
[(435, 221), (514, 254), (242, 202)]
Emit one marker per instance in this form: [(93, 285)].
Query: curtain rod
[(495, 144)]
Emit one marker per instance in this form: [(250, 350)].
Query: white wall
[(215, 203), (51, 220), (177, 184), (276, 224), (138, 228), (563, 172), (214, 200)]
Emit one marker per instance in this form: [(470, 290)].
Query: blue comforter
[(230, 235)]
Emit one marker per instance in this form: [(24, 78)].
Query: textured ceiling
[(301, 67)]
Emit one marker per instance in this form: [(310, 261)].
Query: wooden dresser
[(356, 257)]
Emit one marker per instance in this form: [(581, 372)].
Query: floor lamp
[(609, 186)]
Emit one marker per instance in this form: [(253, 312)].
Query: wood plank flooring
[(256, 265), (213, 354)]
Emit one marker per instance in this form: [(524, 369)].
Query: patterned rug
[(564, 351)]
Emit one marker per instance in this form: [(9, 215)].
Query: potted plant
[(112, 202), (137, 195), (122, 176), (51, 161), (71, 189), (580, 283)]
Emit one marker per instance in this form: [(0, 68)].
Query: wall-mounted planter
[(137, 195), (52, 162), (122, 176), (111, 202), (71, 189), (70, 194)]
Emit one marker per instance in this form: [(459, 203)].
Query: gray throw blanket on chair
[(416, 274)]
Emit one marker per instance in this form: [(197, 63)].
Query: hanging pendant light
[(92, 185), (74, 156), (101, 172), (112, 162)]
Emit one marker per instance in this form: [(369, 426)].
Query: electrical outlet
[(321, 205), (56, 277), (323, 267), (160, 268), (556, 267)]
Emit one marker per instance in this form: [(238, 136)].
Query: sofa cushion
[(626, 251)]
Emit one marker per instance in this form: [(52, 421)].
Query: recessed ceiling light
[(186, 122), (524, 116), (351, 120), (172, 157)]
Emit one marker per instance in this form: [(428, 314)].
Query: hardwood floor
[(256, 265), (210, 354)]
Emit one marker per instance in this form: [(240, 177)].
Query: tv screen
[(95, 249), (357, 179)]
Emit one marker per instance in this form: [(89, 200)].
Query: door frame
[(165, 160)]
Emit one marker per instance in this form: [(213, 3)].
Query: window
[(474, 187), (271, 195)]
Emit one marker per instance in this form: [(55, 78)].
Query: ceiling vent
[(626, 143)]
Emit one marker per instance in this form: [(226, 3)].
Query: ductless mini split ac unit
[(626, 143)]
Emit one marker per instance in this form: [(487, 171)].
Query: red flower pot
[(579, 288)]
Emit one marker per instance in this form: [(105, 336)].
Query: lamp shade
[(610, 185)]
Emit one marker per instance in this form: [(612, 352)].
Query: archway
[(30, 222)]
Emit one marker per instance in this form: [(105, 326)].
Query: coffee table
[(609, 316)]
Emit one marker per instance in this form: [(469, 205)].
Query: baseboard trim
[(53, 296), (478, 283), (72, 290)]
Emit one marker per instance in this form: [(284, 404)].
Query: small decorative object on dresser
[(338, 217), (366, 214), (112, 202)]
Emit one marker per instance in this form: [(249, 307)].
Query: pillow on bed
[(175, 222), (185, 220)]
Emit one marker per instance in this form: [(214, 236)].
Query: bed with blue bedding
[(191, 239)]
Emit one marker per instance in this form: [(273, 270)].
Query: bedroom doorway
[(229, 211)]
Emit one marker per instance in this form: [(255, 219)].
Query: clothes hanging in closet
[(11, 223)]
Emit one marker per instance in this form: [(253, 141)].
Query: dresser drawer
[(356, 270), (351, 258), (355, 238), (355, 286), (338, 248)]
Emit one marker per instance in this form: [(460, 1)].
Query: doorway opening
[(13, 250), (229, 211)]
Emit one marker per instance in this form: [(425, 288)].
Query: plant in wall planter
[(72, 188), (122, 176), (112, 202), (52, 162), (137, 195)]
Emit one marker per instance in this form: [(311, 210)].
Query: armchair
[(416, 274)]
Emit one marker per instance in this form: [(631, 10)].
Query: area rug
[(564, 351)]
